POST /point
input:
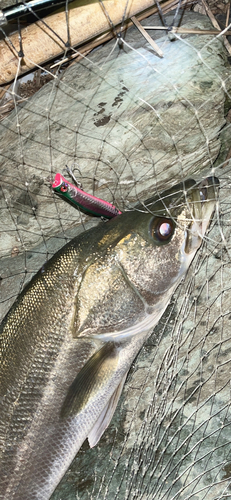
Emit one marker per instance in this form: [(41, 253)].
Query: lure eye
[(162, 229), (64, 187)]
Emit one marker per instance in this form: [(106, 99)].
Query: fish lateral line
[(82, 200)]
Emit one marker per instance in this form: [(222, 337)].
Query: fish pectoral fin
[(105, 417), (91, 380)]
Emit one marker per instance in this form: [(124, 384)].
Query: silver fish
[(69, 340)]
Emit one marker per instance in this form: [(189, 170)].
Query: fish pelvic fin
[(91, 380), (105, 417)]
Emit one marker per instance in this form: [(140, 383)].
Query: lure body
[(84, 201), (67, 343)]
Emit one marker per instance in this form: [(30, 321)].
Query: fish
[(68, 342)]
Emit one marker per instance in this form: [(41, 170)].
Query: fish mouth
[(203, 199)]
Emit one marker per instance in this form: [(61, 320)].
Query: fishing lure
[(86, 202)]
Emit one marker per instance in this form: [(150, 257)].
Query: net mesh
[(130, 123)]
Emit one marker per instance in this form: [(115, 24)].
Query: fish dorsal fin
[(92, 378), (106, 415)]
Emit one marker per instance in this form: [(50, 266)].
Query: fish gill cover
[(129, 123)]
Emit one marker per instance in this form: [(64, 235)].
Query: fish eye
[(162, 229), (203, 194), (64, 187)]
